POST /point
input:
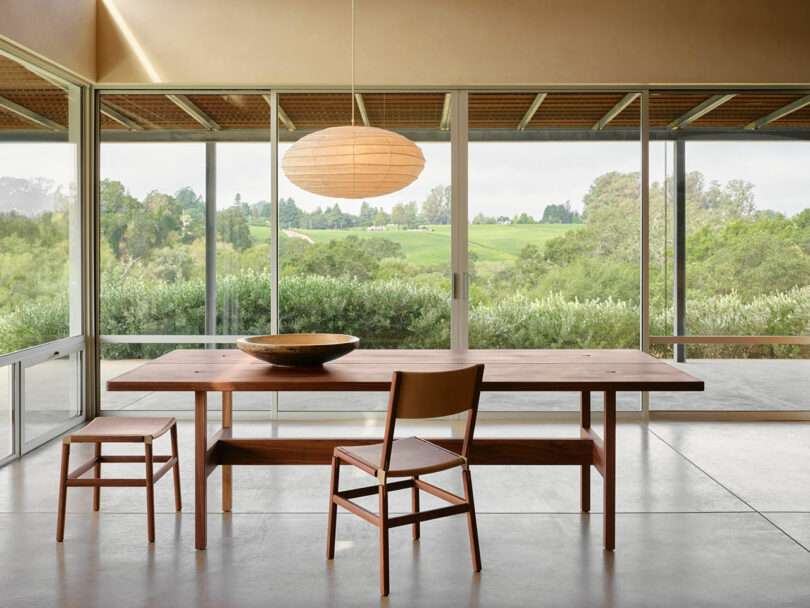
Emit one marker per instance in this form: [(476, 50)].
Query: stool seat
[(121, 429)]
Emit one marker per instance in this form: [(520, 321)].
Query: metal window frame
[(459, 309), (81, 282)]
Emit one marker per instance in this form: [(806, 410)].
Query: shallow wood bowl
[(298, 350)]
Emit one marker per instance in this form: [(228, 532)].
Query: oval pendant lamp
[(353, 161)]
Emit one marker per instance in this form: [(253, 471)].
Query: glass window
[(244, 243), (39, 209), (747, 270), (6, 413), (152, 216), (554, 207), (182, 177), (51, 396), (378, 269)]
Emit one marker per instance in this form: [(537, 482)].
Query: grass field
[(490, 242)]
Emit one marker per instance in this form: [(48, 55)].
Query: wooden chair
[(115, 429), (413, 395)]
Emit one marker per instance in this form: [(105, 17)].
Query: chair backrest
[(433, 395)]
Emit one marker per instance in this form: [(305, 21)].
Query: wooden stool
[(116, 429)]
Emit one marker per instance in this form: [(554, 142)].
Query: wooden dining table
[(553, 370)]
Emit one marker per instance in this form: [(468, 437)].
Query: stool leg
[(150, 492), (178, 503), (63, 474), (97, 475), (415, 507), (330, 534)]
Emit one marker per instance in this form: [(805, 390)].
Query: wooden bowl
[(298, 350)]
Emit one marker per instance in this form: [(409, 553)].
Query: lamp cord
[(352, 62)]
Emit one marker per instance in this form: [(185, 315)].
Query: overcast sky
[(505, 178)]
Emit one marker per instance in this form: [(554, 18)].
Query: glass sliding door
[(185, 243), (554, 205), (379, 268), (40, 250), (739, 177)]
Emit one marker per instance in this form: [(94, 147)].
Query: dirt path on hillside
[(297, 235)]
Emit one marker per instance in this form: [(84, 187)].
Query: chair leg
[(178, 502), (415, 507), (63, 474), (384, 583), (475, 550), (330, 533), (150, 493), (97, 475)]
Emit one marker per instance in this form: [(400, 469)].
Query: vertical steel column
[(459, 314), (274, 277), (644, 220), (679, 240), (210, 239), (92, 240), (274, 327)]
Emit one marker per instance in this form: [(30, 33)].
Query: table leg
[(227, 474), (200, 477), (610, 471), (585, 472)]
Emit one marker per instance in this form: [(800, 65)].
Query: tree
[(523, 218), (480, 218), (436, 207), (405, 214), (381, 218), (232, 227), (289, 215), (367, 213), (560, 214)]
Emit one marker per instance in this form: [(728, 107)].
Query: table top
[(371, 370)]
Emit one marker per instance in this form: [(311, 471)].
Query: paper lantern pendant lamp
[(353, 162)]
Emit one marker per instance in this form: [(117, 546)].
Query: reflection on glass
[(243, 227), (6, 413), (378, 269), (51, 395), (152, 238)]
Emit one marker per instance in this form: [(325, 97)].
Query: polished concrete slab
[(690, 530)]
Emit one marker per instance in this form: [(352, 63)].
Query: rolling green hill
[(491, 243)]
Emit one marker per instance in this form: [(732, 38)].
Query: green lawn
[(491, 243)]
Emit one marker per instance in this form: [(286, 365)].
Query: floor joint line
[(727, 489)]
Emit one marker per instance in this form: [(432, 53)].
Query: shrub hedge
[(396, 313)]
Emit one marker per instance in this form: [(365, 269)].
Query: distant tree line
[(552, 214)]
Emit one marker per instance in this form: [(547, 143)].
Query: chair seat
[(411, 456), (120, 428)]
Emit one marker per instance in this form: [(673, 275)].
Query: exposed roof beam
[(118, 117), (361, 106), (282, 115), (780, 113), (527, 117), (615, 111), (48, 77), (444, 125), (715, 101), (188, 106), (129, 114), (29, 115)]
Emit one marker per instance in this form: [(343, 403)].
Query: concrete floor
[(710, 514)]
